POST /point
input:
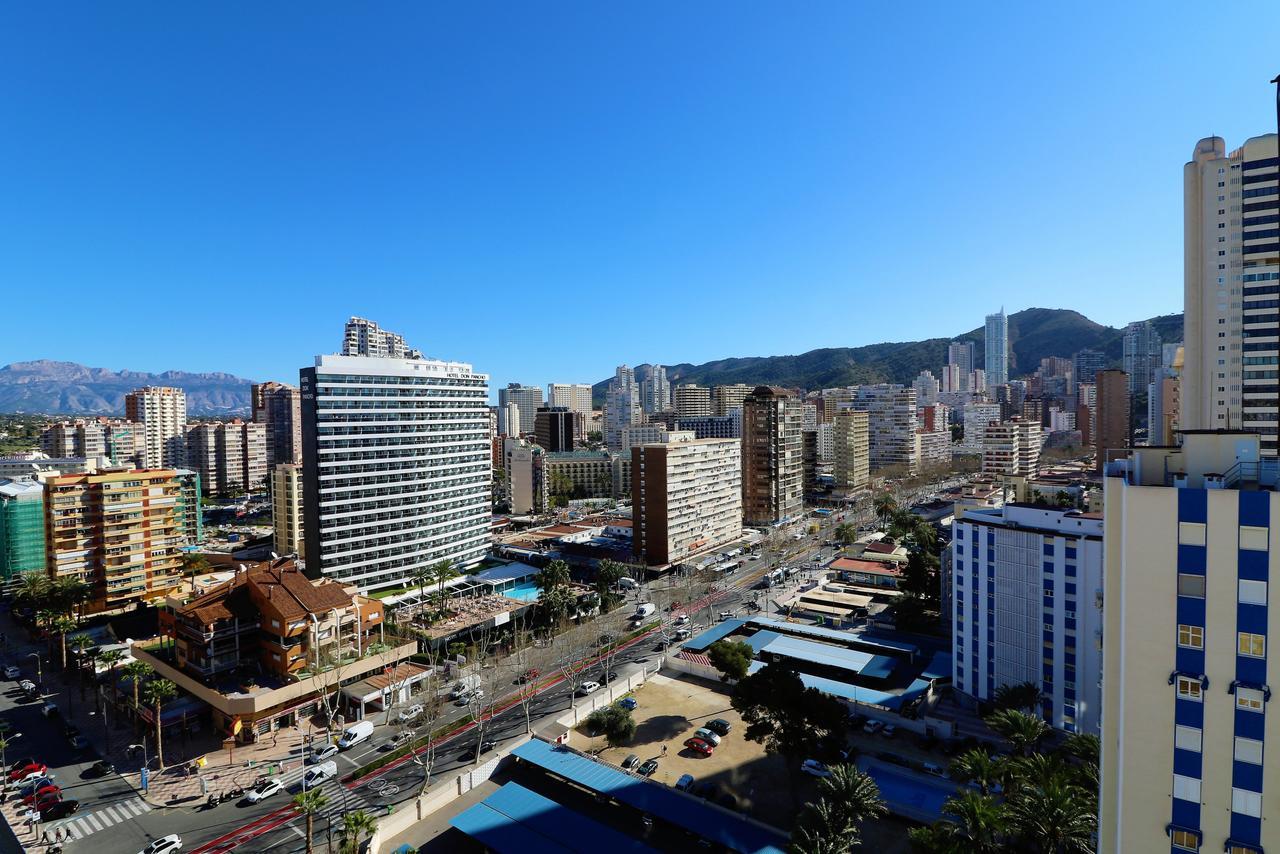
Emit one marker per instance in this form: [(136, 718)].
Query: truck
[(464, 685), (648, 609), (354, 734)]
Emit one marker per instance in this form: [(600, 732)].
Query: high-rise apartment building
[(231, 457), (124, 443), (621, 407), (1187, 671), (851, 438), (162, 411), (772, 457), (554, 428), (692, 401), (1231, 280), (1142, 354), (365, 338), (509, 420), (1026, 607), (118, 532), (927, 388), (686, 497), (396, 467), (1111, 416), (190, 509), (527, 398), (997, 348), (279, 407), (960, 355), (1012, 448), (933, 448), (576, 397), (893, 422), (976, 418), (527, 488), (286, 510), (826, 443), (1085, 365), (644, 434), (655, 390), (726, 398), (22, 540)]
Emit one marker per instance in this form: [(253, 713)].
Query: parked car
[(529, 675), (410, 713), (12, 672), (469, 754), (78, 742), (719, 726), (102, 768), (628, 703), (27, 685), (59, 809), (648, 768), (20, 763), (889, 731), (698, 745), (49, 788), (872, 727), (681, 635), (726, 615), (29, 772), (608, 676), (317, 774), (35, 785), (588, 687), (264, 790), (685, 783), (164, 845), (42, 802), (468, 697), (320, 753), (682, 620), (935, 770), (815, 768), (708, 736), (631, 761)]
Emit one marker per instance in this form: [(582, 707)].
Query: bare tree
[(527, 657), (576, 646)]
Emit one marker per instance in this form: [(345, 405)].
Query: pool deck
[(924, 804)]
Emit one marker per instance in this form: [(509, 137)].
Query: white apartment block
[(927, 388), (1231, 284), (527, 399), (526, 485), (686, 497), (851, 436), (574, 396), (123, 442), (1012, 448), (365, 338), (509, 423), (933, 448), (1187, 676), (162, 411), (230, 457), (1026, 606), (893, 425), (692, 401), (621, 407), (976, 418), (644, 434), (826, 443), (997, 350), (396, 467)]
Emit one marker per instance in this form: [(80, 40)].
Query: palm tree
[(925, 535), (79, 644), (422, 576), (971, 824), (309, 803), (607, 575), (63, 624), (854, 796), (45, 618), (444, 572), (135, 672), (977, 766), (33, 589), (1054, 817), (1024, 696), (1023, 732), (846, 533), (155, 693), (110, 658), (885, 505), (822, 830), (67, 592), (355, 826)]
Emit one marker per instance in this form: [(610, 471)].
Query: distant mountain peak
[(69, 388)]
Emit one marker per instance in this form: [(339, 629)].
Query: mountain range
[(1034, 334), (68, 388)]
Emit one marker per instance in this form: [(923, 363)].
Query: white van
[(355, 734), (465, 685), (317, 774), (648, 609), (627, 584)]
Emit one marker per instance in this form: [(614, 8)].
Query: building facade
[(851, 438), (1111, 415), (554, 428), (716, 426), (1187, 674), (576, 397), (396, 467), (655, 389), (118, 532), (692, 401), (279, 408), (1012, 448), (363, 337), (621, 407), (162, 412), (892, 423), (997, 349), (231, 456), (772, 457), (527, 398), (588, 474), (22, 537), (1026, 607), (1142, 349), (122, 442), (286, 510), (686, 497), (726, 398)]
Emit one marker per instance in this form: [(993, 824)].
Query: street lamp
[(143, 747), (39, 669)]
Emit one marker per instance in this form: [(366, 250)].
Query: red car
[(47, 801), (27, 770), (697, 745), (529, 675), (41, 793), (21, 763)]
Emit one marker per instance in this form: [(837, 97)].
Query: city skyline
[(389, 208)]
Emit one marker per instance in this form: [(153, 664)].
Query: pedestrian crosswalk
[(104, 817)]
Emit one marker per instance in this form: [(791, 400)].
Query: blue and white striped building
[(1027, 607)]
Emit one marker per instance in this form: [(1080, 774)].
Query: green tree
[(788, 718), (731, 658), (443, 572), (156, 693), (846, 800), (110, 658), (67, 592), (194, 564), (33, 589), (978, 767), (80, 644), (1023, 732), (136, 672), (356, 825), (309, 803), (846, 533), (971, 824), (554, 599), (821, 831), (885, 505), (422, 576), (615, 723), (608, 574), (1053, 816), (61, 625)]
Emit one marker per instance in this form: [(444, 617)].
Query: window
[(275, 624), (1246, 802), (1186, 788), (1191, 636), (1189, 689), (1253, 592), (1243, 849), (1249, 699), (1191, 533), (1253, 538), (1248, 750), (1253, 645), (1187, 840), (1190, 585), (1187, 737)]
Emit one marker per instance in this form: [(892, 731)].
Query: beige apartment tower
[(772, 456), (852, 439), (686, 497), (279, 407), (692, 401), (231, 457), (162, 411), (286, 509)]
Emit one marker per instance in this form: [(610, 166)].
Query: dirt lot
[(672, 708)]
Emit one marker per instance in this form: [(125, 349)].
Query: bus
[(728, 568)]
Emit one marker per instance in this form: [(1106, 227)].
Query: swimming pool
[(525, 591), (908, 795)]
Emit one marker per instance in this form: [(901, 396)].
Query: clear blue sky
[(547, 190)]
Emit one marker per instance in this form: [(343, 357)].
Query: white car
[(27, 685), (815, 768), (682, 620), (12, 672), (264, 790), (321, 753), (163, 845), (410, 713), (588, 688)]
